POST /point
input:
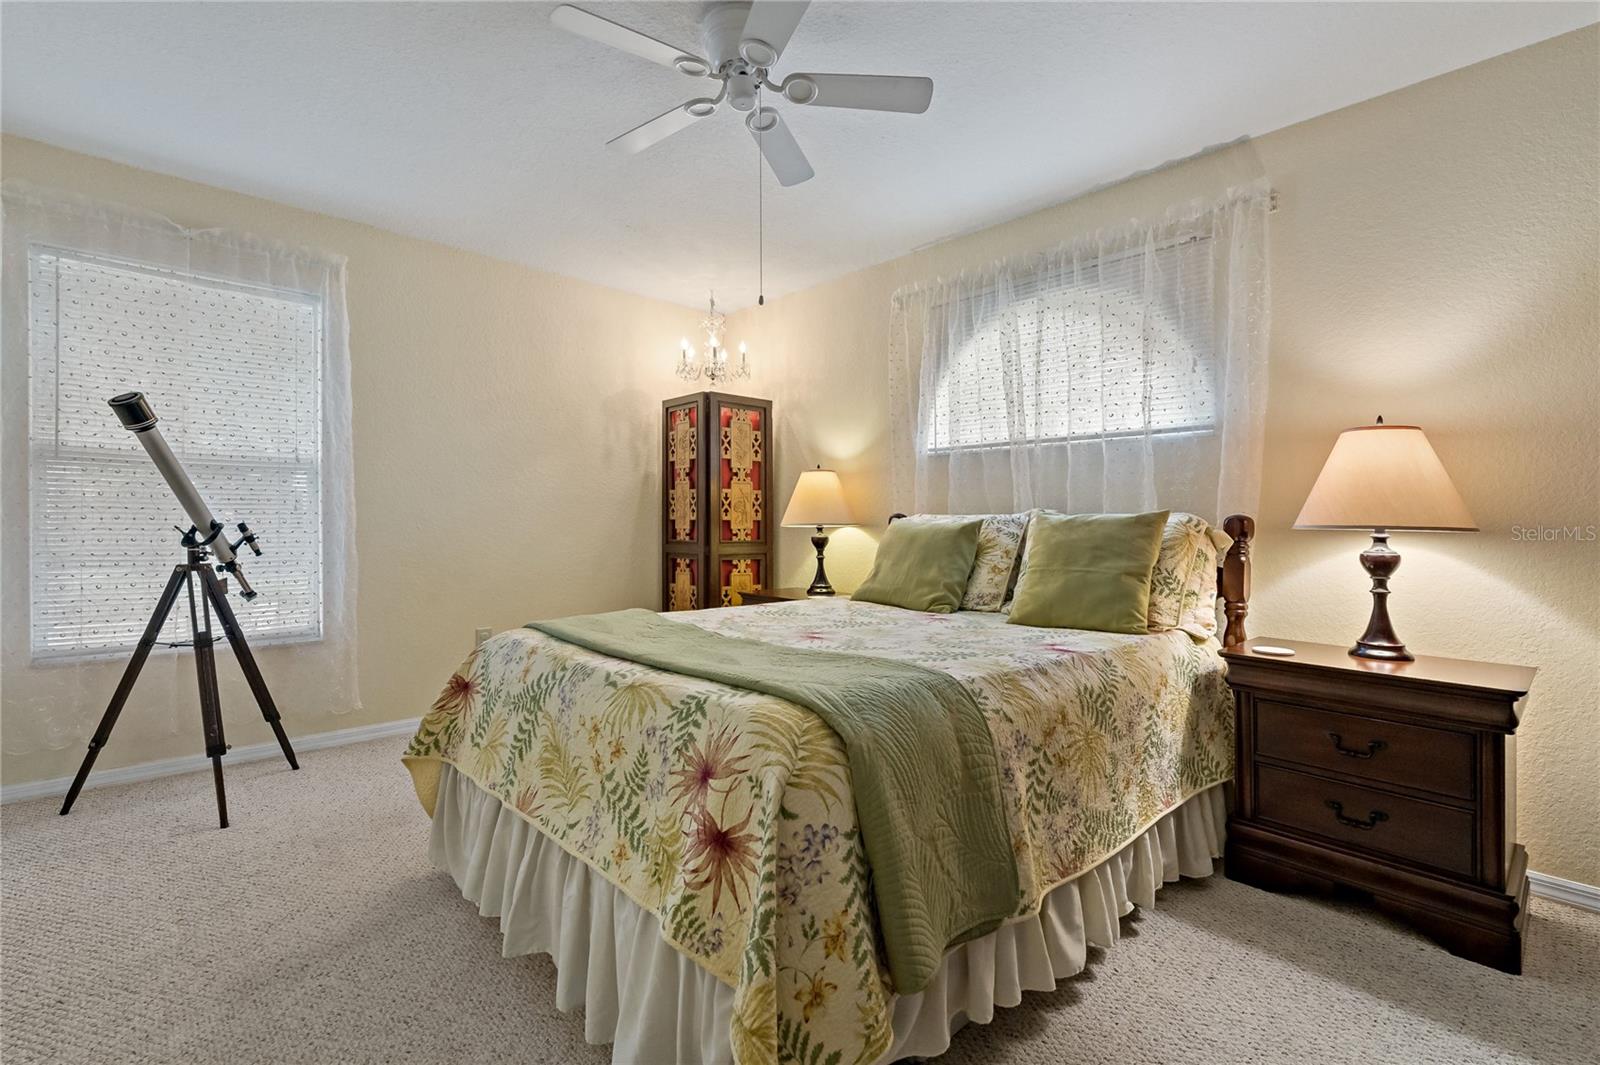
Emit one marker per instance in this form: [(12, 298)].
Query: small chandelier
[(712, 363)]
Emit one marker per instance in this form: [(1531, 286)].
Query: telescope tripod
[(212, 597)]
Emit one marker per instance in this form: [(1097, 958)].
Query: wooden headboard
[(1233, 575)]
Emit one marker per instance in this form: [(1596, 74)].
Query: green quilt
[(922, 767)]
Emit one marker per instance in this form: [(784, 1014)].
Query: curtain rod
[(1247, 192)]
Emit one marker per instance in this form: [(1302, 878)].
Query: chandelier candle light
[(712, 363)]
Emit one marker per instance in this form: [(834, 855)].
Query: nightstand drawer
[(1367, 819), (1427, 758)]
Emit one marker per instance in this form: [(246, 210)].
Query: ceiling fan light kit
[(744, 41)]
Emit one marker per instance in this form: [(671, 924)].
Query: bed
[(689, 853)]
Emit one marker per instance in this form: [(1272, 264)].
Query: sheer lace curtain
[(242, 347), (1120, 372)]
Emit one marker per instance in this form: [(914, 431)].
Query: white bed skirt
[(654, 1004)]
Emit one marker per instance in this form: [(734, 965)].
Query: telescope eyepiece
[(133, 411)]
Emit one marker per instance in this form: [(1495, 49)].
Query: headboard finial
[(1233, 577)]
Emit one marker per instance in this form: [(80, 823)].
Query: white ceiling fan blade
[(782, 151), (662, 126), (767, 29), (866, 92), (576, 20)]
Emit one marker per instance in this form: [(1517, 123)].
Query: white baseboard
[(167, 767), (1571, 892)]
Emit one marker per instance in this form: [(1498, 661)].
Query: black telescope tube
[(133, 411)]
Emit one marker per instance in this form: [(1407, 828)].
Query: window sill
[(118, 654), (1086, 438)]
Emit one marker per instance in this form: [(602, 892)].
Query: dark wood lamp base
[(1380, 640), (819, 583)]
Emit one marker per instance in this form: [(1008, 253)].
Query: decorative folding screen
[(716, 487)]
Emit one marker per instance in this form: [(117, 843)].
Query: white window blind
[(1116, 345), (234, 372)]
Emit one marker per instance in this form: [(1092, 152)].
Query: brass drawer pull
[(1373, 747), (1373, 819)]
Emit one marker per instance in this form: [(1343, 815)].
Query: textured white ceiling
[(483, 126)]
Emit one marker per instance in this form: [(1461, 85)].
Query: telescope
[(134, 412), (206, 595)]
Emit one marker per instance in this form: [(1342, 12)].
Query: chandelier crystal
[(712, 362)]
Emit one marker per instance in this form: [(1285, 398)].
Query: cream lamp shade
[(1384, 477), (818, 500), (1381, 478)]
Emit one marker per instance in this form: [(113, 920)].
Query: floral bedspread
[(728, 814)]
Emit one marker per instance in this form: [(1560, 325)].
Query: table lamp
[(1383, 477), (818, 500)]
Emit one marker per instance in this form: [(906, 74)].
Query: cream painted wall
[(506, 456), (1434, 260)]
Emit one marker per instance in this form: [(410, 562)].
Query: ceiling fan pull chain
[(761, 215)]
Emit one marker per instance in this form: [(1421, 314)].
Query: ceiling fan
[(744, 42)]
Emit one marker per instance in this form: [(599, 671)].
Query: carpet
[(314, 930)]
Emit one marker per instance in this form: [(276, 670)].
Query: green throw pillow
[(1089, 571), (922, 565)]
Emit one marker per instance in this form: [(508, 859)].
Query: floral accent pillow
[(1183, 586), (999, 539)]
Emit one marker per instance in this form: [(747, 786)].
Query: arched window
[(1080, 350)]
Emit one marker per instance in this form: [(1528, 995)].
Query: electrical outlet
[(479, 635)]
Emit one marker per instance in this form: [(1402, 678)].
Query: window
[(1119, 345), (234, 372)]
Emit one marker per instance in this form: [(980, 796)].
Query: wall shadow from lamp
[(818, 501), (1382, 478)]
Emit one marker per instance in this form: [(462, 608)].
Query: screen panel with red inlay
[(736, 576), (683, 473), (682, 575), (741, 474)]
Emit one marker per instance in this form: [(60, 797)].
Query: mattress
[(727, 815)]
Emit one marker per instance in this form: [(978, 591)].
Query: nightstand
[(1397, 779), (774, 595)]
